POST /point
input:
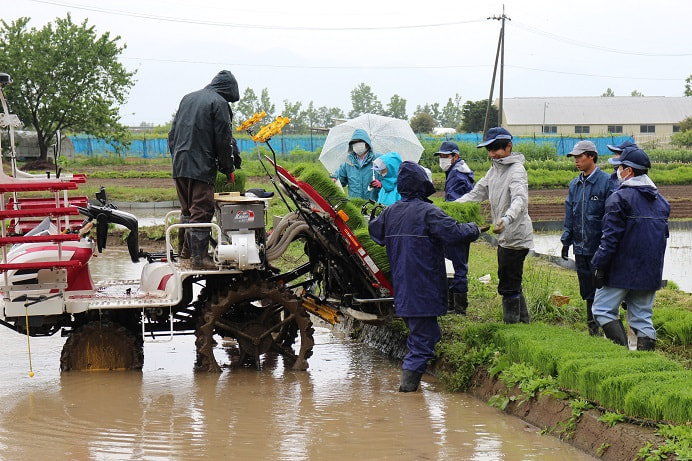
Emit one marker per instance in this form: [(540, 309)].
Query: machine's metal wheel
[(262, 317), (102, 346)]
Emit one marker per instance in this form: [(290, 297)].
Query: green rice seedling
[(319, 179), (461, 212), (238, 185), (614, 389), (675, 324), (585, 375), (377, 252), (669, 400)]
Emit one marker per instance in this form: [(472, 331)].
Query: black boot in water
[(615, 332), (644, 343), (409, 381)]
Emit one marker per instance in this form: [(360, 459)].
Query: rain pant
[(459, 181)]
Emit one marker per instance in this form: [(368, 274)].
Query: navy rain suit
[(584, 209), (459, 181), (414, 232)]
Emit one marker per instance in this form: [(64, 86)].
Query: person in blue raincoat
[(356, 172), (628, 264), (459, 181), (415, 232), (386, 168)]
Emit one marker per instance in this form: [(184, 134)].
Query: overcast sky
[(426, 51)]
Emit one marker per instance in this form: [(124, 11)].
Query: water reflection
[(677, 264)]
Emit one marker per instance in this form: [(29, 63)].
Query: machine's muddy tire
[(261, 316), (102, 346)]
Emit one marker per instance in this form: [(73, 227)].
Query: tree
[(422, 123), (636, 93), (396, 107), (326, 116), (473, 113), (364, 101), (452, 113), (295, 115), (66, 78), (688, 86), (247, 106), (266, 104), (609, 93)]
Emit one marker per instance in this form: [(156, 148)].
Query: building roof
[(597, 110)]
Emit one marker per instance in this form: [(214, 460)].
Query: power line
[(393, 67), (594, 47), (249, 26)]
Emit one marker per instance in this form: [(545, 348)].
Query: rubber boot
[(644, 343), (590, 321), (511, 309), (615, 331), (183, 245), (457, 303), (409, 381), (523, 310), (199, 246)]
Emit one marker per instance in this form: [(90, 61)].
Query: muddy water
[(345, 407)]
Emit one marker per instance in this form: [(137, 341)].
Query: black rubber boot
[(511, 309), (199, 247), (615, 332), (524, 316), (409, 381), (644, 343), (591, 323), (183, 245), (457, 303)]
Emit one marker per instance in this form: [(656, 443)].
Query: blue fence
[(156, 148)]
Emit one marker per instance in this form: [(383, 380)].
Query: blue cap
[(493, 135), (634, 157), (448, 147), (620, 147)]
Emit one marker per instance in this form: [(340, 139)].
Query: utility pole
[(499, 55)]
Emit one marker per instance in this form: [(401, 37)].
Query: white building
[(645, 118)]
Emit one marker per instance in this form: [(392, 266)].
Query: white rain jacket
[(506, 186)]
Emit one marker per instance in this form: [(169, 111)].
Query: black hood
[(413, 182), (226, 85)]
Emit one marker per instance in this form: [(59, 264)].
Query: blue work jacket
[(415, 232), (584, 209), (635, 231)]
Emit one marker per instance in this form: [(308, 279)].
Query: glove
[(599, 278), (231, 177), (484, 228), (500, 225), (565, 252), (376, 184)]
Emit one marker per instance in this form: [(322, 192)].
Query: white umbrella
[(386, 133)]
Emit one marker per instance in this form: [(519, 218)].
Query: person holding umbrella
[(356, 171)]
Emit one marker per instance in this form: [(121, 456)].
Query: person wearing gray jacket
[(506, 186)]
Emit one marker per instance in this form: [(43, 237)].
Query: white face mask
[(359, 147), (445, 164), (619, 173)]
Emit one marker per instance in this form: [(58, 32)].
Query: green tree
[(609, 93), (326, 116), (364, 101), (422, 123), (265, 103), (637, 94), (686, 124), (396, 107), (473, 113), (452, 113), (66, 78), (247, 106), (292, 110), (688, 86)]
